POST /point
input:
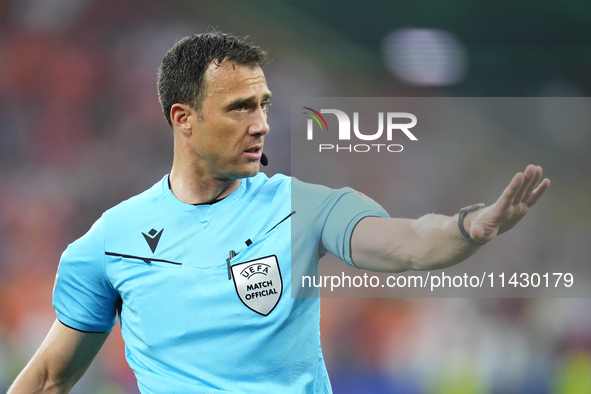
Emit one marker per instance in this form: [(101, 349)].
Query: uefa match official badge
[(258, 283)]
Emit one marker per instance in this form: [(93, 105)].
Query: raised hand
[(513, 204)]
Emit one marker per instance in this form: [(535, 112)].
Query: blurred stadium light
[(430, 57)]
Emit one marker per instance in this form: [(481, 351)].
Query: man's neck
[(193, 189)]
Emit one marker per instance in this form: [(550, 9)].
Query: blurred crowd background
[(81, 130)]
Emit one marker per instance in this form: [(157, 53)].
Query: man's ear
[(180, 116)]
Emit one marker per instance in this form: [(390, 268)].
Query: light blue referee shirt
[(195, 320)]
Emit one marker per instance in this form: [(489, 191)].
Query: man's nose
[(259, 124)]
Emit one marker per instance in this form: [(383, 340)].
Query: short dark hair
[(181, 76)]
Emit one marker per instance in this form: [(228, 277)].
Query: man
[(198, 267)]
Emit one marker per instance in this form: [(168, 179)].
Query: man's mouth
[(254, 153)]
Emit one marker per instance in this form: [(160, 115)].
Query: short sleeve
[(83, 297), (332, 214)]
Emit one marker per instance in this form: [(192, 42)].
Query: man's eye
[(265, 106), (240, 108)]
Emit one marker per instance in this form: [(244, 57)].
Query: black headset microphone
[(264, 160)]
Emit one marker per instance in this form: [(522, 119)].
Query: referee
[(198, 267)]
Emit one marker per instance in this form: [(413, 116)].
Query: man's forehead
[(229, 77)]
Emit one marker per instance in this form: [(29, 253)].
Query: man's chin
[(253, 172), (249, 172), (245, 170)]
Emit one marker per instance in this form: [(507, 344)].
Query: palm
[(511, 207)]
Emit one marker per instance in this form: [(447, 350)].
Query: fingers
[(537, 193), (532, 176), (522, 192), (524, 188), (534, 182), (506, 199)]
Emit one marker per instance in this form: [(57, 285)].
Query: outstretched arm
[(61, 360), (435, 241)]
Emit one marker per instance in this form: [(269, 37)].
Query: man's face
[(229, 134)]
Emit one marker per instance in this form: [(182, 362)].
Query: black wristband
[(463, 212)]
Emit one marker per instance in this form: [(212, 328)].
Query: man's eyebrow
[(248, 100)]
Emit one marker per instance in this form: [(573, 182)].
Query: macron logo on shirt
[(152, 238)]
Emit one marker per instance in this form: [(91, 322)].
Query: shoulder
[(310, 194), (316, 204), (262, 187), (262, 180), (120, 212), (143, 202), (124, 223)]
